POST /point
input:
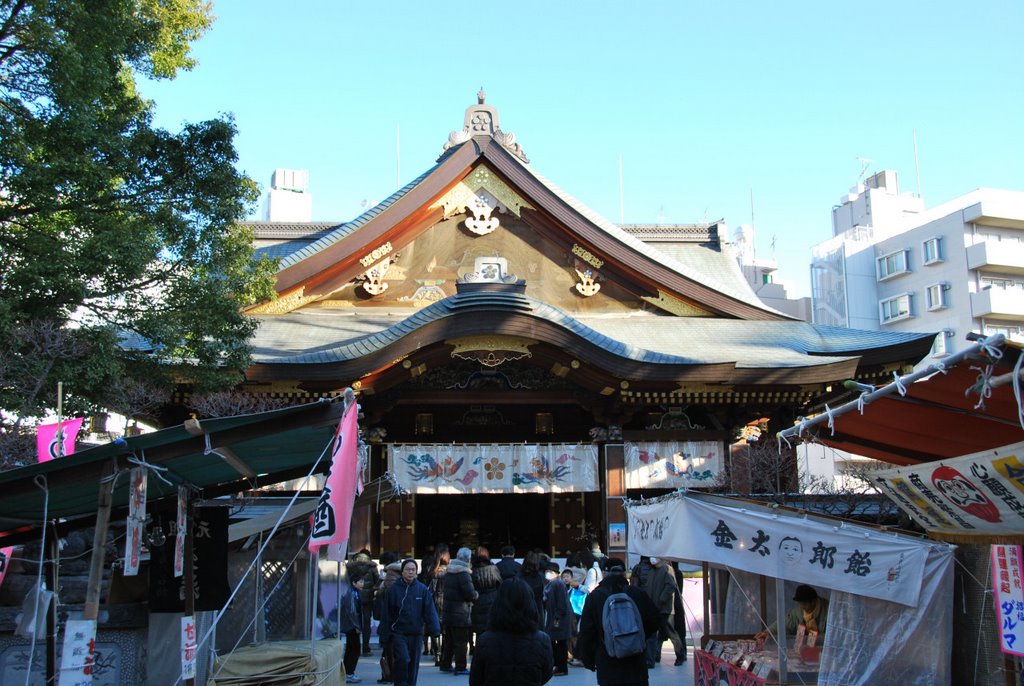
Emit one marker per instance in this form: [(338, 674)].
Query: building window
[(933, 250), (936, 296), (893, 264), (1012, 333), (894, 309), (1000, 284), (940, 347)]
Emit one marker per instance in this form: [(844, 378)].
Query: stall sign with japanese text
[(136, 521), (181, 531), (981, 493), (189, 647), (78, 656), (1009, 597), (755, 539)]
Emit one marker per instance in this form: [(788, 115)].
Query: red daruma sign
[(957, 489)]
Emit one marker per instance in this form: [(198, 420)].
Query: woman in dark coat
[(441, 559), (512, 652), (557, 618), (486, 579), (533, 576), (457, 615)]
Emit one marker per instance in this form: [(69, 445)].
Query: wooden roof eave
[(646, 270)]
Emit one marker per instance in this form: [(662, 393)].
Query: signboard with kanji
[(857, 559), (981, 493), (1009, 597)]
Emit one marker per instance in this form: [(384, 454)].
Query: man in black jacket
[(611, 671), (508, 566), (408, 614)]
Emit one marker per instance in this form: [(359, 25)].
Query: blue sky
[(707, 103)]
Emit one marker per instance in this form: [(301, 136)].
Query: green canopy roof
[(214, 456)]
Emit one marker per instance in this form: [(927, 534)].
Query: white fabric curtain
[(673, 464), (494, 468)]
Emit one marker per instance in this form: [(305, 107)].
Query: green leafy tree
[(120, 233)]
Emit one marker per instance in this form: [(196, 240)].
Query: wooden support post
[(706, 578), (189, 580), (52, 582), (99, 545)]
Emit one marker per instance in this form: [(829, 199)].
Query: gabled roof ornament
[(482, 120)]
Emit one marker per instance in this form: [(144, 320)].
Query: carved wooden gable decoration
[(482, 215)]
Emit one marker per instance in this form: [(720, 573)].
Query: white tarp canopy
[(890, 616)]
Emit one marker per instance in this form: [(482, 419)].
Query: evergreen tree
[(118, 238)]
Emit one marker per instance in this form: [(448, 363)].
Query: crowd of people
[(521, 623)]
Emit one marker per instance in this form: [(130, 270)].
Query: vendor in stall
[(811, 611)]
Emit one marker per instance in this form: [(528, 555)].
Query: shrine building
[(522, 362)]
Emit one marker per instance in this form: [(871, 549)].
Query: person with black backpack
[(616, 621)]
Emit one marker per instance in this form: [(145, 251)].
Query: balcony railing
[(1005, 257), (998, 302)]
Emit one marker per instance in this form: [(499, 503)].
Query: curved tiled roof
[(717, 269), (340, 231), (325, 336)]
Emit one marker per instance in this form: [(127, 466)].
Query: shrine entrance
[(494, 520)]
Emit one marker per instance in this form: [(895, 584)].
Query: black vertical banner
[(210, 560)]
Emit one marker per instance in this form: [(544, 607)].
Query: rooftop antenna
[(864, 164), (398, 155)]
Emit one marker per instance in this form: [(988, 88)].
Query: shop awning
[(939, 417), (212, 456)]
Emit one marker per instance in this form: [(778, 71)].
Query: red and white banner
[(136, 521), (1009, 597), (180, 531), (189, 647), (57, 440), (333, 515), (79, 655), (980, 493)]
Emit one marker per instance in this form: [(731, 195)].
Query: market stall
[(890, 594)]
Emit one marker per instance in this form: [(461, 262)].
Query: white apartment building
[(954, 269)]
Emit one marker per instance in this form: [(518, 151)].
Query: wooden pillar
[(189, 573), (91, 609), (615, 491), (52, 582)]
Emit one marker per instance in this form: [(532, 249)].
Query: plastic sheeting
[(869, 641), (875, 642)]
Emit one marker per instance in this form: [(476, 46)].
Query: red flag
[(49, 439), (332, 518)]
